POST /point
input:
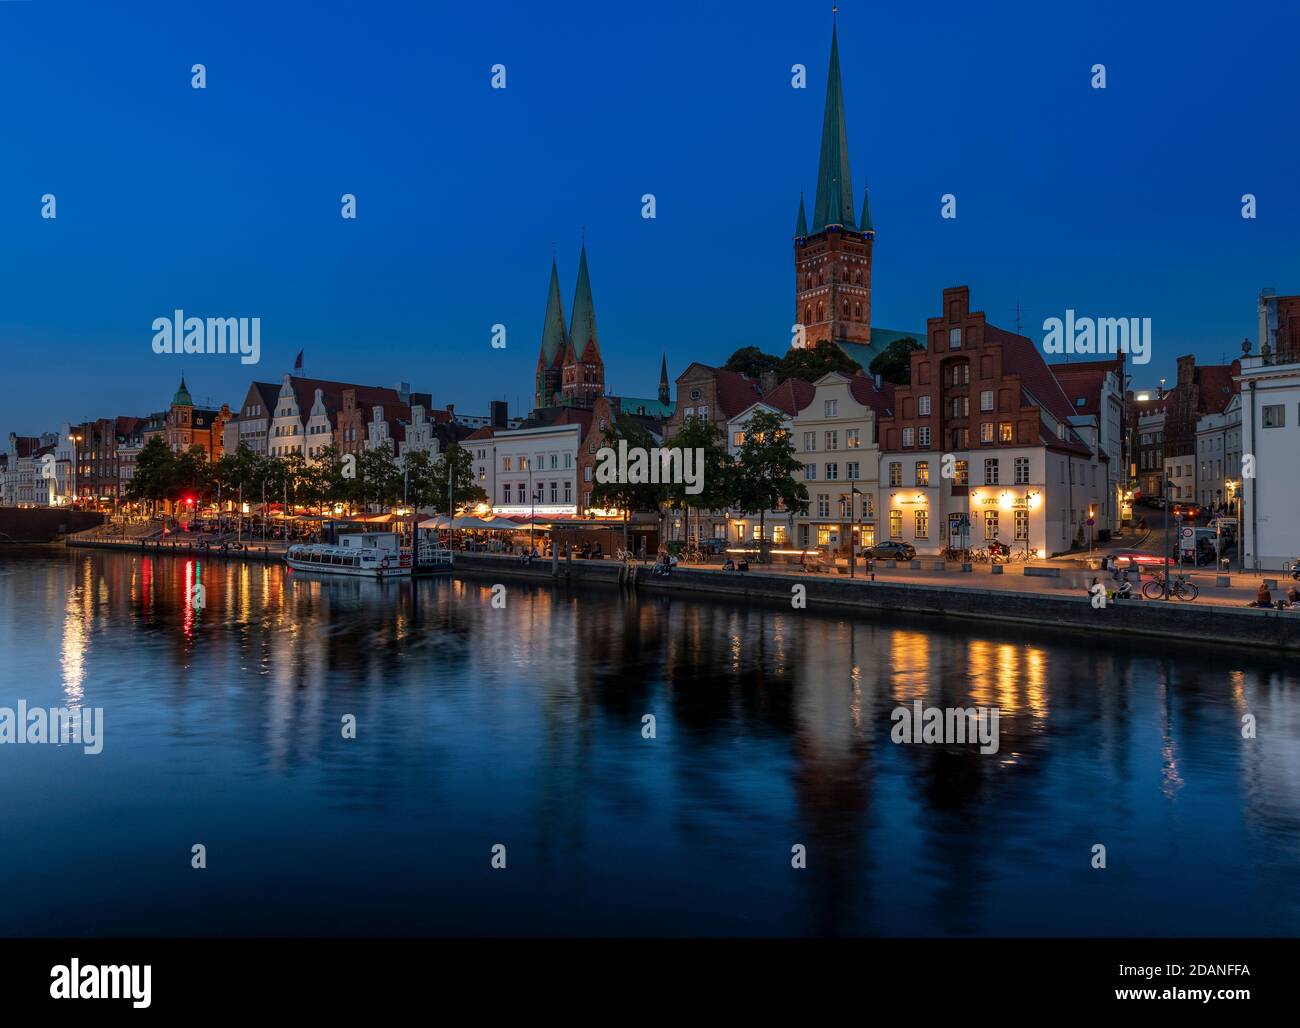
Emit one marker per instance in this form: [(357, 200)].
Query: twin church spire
[(570, 371)]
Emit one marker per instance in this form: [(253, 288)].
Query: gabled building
[(836, 435), (1095, 390), (981, 445)]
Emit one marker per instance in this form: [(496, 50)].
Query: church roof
[(582, 329), (801, 222), (553, 336), (834, 204), (865, 353)]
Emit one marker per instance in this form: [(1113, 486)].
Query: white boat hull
[(351, 572)]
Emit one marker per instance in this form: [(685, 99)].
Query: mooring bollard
[(1222, 582), (968, 567)]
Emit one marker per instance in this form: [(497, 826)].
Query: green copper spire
[(834, 185), (553, 324), (582, 329), (182, 397), (801, 223), (865, 223)]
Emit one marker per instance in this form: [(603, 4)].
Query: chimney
[(498, 414), (766, 381)]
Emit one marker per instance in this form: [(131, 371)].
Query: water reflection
[(478, 724)]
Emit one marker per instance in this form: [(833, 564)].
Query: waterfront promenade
[(1057, 600)]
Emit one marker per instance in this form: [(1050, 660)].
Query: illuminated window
[(922, 472), (1022, 524), (1004, 432), (922, 524), (990, 525), (895, 524)]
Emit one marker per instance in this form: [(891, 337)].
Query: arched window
[(857, 311), (807, 314), (807, 280), (821, 278), (846, 308), (821, 312), (859, 278)]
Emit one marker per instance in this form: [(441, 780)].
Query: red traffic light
[(189, 501)]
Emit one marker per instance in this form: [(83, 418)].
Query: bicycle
[(1179, 589), (692, 555)]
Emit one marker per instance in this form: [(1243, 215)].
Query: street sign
[(1187, 540)]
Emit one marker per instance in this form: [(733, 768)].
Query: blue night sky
[(225, 201)]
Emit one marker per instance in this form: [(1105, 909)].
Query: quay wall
[(1243, 626)]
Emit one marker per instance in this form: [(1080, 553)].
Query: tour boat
[(360, 554)]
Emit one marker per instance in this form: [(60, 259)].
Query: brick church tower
[(582, 375), (832, 263), (570, 371), (554, 341)]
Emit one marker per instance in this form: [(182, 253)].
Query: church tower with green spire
[(832, 260), (555, 339), (582, 372)]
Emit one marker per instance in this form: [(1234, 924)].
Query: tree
[(625, 495), (894, 362), (421, 483), (714, 469), (458, 465), (765, 470), (812, 362), (751, 361), (154, 471), (380, 479)]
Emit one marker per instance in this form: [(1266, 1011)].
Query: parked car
[(893, 551), (1134, 560)]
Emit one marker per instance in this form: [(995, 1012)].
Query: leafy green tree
[(812, 362), (894, 362), (155, 469), (701, 434), (765, 471), (751, 361), (421, 481), (455, 467), (379, 476), (623, 495)]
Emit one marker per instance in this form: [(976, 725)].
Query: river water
[(523, 727)]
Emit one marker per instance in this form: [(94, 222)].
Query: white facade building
[(1218, 454), (534, 470), (1270, 443)]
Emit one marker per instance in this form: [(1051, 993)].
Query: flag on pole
[(297, 364)]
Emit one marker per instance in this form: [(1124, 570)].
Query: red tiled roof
[(1021, 357), (735, 392), (863, 389), (1083, 379), (304, 391), (1217, 386), (792, 395), (479, 433), (26, 445)]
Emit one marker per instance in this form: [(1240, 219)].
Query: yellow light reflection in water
[(910, 654), (76, 636)]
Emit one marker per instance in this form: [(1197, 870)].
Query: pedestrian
[(1263, 598)]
